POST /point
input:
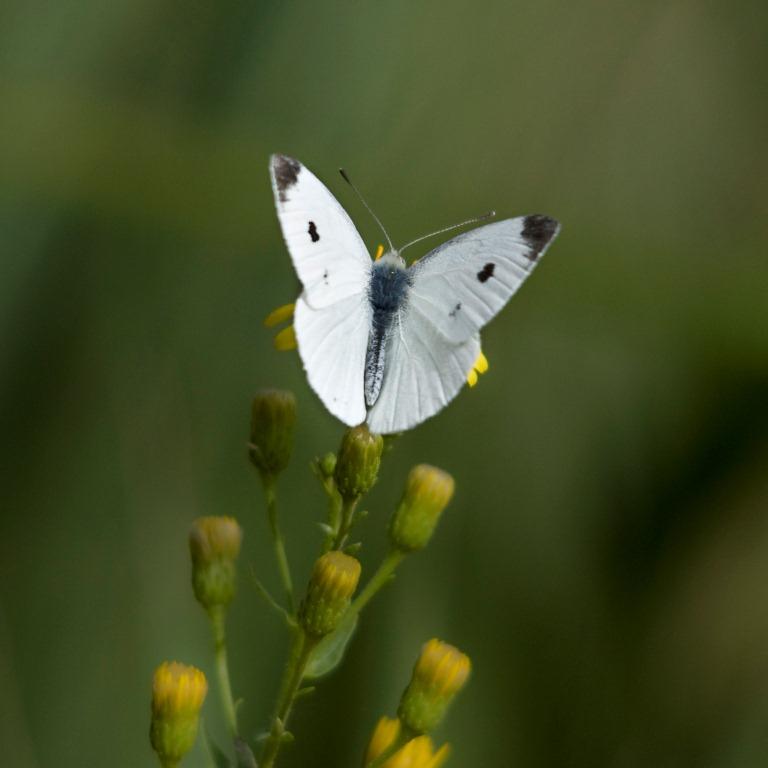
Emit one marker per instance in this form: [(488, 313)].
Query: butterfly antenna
[(368, 207), (476, 220)]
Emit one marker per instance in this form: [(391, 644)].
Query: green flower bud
[(329, 593), (357, 463), (438, 676), (427, 493), (178, 692), (327, 464), (273, 416), (214, 543)]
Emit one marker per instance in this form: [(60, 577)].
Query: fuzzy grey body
[(388, 294)]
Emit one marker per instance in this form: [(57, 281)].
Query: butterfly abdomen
[(387, 293)]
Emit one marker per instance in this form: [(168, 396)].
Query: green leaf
[(217, 754), (330, 651)]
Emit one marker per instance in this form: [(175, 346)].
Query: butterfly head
[(391, 259)]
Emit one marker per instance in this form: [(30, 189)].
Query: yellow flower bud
[(273, 416), (357, 463), (440, 673), (427, 493), (331, 586), (417, 753), (214, 543), (178, 692)]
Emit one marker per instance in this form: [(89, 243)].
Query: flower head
[(329, 593), (417, 753), (480, 366), (439, 674), (273, 416), (178, 692), (357, 463), (427, 492), (214, 543)]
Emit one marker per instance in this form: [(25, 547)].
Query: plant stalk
[(293, 674), (222, 668), (270, 493)]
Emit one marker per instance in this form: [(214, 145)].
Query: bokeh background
[(605, 562)]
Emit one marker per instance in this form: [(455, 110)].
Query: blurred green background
[(605, 562)]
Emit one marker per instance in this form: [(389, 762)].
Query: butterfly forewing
[(332, 317), (328, 254), (424, 372), (463, 283)]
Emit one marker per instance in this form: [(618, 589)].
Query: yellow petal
[(379, 252), (286, 339), (386, 731), (481, 364), (472, 377), (439, 757), (279, 315)]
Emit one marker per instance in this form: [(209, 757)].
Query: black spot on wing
[(286, 171), (538, 231), (313, 232), (486, 272), (454, 311)]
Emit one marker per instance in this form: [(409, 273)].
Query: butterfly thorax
[(388, 294)]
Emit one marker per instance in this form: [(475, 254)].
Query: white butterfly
[(382, 342)]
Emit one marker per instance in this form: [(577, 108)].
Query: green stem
[(334, 517), (383, 574), (348, 506), (222, 668), (270, 493), (289, 687)]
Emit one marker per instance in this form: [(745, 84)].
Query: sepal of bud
[(439, 674), (357, 463), (273, 417), (178, 692), (214, 543), (427, 493), (331, 586)]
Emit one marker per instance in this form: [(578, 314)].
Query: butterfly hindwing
[(463, 283), (332, 344), (424, 372)]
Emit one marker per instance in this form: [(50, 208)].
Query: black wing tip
[(285, 171), (538, 232)]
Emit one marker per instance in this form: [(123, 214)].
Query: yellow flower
[(417, 753), (214, 537), (427, 493), (214, 543), (331, 586), (442, 668), (279, 315), (286, 339), (478, 367), (178, 692), (440, 673)]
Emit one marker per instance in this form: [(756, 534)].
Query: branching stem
[(293, 674)]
